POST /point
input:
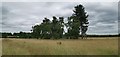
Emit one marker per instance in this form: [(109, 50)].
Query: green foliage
[(43, 30), (57, 27), (49, 29), (77, 22), (22, 35), (119, 34), (4, 35)]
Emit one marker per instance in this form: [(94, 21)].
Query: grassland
[(0, 46), (90, 46)]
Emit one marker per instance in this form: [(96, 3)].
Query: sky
[(21, 16)]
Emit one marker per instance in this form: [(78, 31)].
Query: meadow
[(90, 46)]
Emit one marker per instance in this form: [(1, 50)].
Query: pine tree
[(77, 23), (81, 16)]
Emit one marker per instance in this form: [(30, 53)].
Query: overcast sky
[(21, 16)]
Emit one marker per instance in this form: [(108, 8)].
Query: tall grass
[(0, 46), (67, 47)]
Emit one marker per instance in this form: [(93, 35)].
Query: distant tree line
[(27, 35), (16, 35), (103, 35)]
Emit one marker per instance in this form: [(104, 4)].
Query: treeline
[(103, 35), (27, 35), (16, 35)]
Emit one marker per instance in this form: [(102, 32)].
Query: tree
[(119, 34), (55, 28), (77, 22), (36, 31), (69, 26), (61, 23), (42, 30), (46, 28), (81, 16), (73, 28)]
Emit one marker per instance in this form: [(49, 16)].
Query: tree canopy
[(76, 24)]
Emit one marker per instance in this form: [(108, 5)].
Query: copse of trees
[(49, 29), (77, 23)]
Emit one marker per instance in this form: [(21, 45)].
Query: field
[(92, 46)]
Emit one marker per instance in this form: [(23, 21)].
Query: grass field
[(68, 47), (0, 46)]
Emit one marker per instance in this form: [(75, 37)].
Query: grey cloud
[(103, 18)]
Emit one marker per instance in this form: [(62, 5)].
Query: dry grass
[(0, 46), (90, 46)]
